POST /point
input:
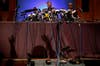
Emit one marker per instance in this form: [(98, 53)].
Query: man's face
[(70, 5), (49, 4)]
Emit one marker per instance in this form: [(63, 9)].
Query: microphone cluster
[(53, 15)]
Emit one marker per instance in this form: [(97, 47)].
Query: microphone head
[(81, 9), (57, 10), (73, 11), (49, 12)]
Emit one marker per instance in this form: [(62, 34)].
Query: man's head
[(49, 4), (70, 5)]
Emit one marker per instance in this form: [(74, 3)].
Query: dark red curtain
[(83, 37)]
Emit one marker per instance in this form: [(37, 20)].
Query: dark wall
[(4, 5), (85, 5), (91, 9), (7, 10)]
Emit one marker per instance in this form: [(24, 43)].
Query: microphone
[(17, 7), (39, 10), (81, 10), (82, 13)]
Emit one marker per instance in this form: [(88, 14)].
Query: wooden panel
[(8, 15), (84, 15), (94, 12), (97, 9)]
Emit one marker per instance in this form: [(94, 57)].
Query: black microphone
[(17, 7)]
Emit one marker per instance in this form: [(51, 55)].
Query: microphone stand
[(80, 31), (80, 45), (58, 43), (16, 11), (82, 13)]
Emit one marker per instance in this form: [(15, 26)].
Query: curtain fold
[(28, 36)]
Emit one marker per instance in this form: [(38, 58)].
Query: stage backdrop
[(29, 4)]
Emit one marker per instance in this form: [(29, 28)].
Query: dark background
[(4, 5)]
